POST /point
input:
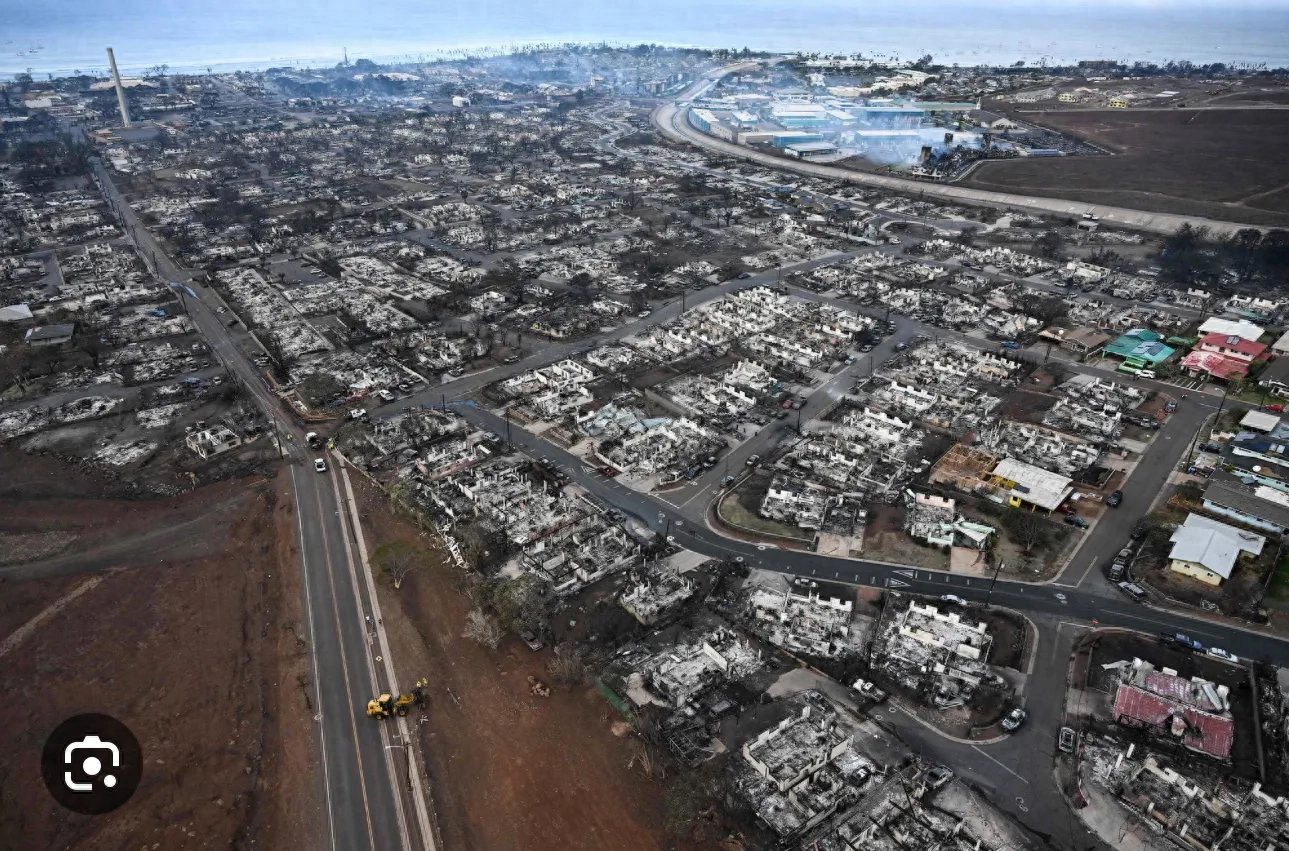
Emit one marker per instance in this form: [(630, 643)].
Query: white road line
[(1189, 629), (977, 749), (1086, 571), (352, 570), (313, 650)]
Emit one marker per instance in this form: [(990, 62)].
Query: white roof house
[(1033, 484), (1231, 328), (15, 313), (1281, 346), (1260, 421), (1213, 545)]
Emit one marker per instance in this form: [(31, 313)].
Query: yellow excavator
[(388, 705)]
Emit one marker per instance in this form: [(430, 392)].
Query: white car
[(953, 598), (320, 464), (1219, 653), (386, 395)]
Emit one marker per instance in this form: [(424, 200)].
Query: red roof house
[(1222, 356)]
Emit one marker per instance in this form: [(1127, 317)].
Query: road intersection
[(367, 808)]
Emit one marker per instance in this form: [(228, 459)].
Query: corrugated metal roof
[(1206, 733)]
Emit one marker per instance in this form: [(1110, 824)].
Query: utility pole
[(990, 593), (1190, 455)]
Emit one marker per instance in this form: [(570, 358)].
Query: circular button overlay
[(91, 764)]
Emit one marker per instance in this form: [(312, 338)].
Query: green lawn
[(733, 512), (1279, 587)]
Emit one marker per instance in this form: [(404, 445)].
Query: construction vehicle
[(388, 705)]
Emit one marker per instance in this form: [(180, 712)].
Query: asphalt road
[(671, 120), (364, 804)]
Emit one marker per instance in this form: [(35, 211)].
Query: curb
[(901, 708)]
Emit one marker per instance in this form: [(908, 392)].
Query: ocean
[(61, 36)]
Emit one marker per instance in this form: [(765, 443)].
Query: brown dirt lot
[(1210, 163), (183, 640), (508, 770)]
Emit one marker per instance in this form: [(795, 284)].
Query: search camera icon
[(91, 763)]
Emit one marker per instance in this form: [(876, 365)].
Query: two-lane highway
[(364, 801)]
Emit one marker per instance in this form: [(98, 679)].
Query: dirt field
[(885, 540), (181, 636), (1200, 162), (509, 770)]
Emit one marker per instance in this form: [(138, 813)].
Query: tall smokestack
[(120, 90)]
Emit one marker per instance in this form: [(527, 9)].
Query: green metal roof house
[(1141, 344)]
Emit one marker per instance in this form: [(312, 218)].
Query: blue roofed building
[(1141, 346)]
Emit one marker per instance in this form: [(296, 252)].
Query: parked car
[(1014, 719), (1075, 520), (1114, 499), (778, 415), (865, 348), (1171, 406), (608, 471), (743, 276), (510, 359), (727, 481), (899, 347), (1133, 590), (1182, 640), (642, 314), (1066, 740), (1219, 653), (953, 598), (1275, 409), (532, 640), (1010, 344), (787, 404), (386, 395), (753, 460), (797, 404), (938, 775), (1116, 571), (320, 465)]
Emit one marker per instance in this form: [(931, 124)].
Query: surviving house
[(1139, 346), (1208, 549), (1224, 357), (1031, 486)]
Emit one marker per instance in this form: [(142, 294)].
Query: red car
[(787, 405), (608, 471), (1275, 409)]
